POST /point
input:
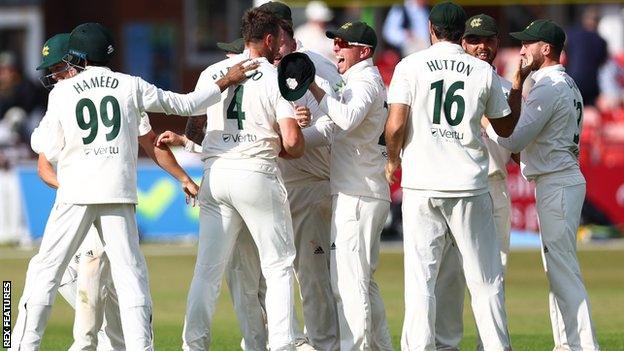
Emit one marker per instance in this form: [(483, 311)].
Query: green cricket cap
[(481, 25), (355, 32), (53, 51), (295, 73), (92, 42), (448, 15), (237, 46), (281, 10), (542, 30)]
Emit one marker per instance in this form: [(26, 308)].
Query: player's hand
[(191, 190), (303, 116), (171, 139), (525, 66), (241, 71), (391, 167)]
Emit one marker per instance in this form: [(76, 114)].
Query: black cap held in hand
[(295, 73), (542, 30), (356, 32)]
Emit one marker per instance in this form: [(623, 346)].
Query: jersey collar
[(543, 72), (358, 67), (447, 47)]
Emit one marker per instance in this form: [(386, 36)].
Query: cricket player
[(480, 39), (242, 186), (307, 183), (97, 324), (547, 136), (93, 123), (360, 196), (437, 98)]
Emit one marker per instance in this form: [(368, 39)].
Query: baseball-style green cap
[(542, 30), (53, 51), (281, 10), (448, 15), (237, 46), (481, 25), (92, 42), (355, 33), (295, 73)]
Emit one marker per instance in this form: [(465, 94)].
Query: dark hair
[(556, 51), (287, 27), (454, 34), (258, 23)]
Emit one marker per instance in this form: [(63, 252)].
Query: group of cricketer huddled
[(298, 155)]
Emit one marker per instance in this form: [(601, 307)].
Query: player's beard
[(488, 55)]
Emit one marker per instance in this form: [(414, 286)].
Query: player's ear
[(366, 52), (268, 40), (546, 49)]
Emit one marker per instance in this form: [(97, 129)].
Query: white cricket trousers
[(559, 199), (451, 284), (426, 224), (357, 222), (230, 198), (310, 207), (97, 323), (66, 229)]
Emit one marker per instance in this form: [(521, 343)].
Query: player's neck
[(256, 50), (548, 63)]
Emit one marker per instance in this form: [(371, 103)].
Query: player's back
[(243, 125), (556, 147), (448, 91), (97, 113)]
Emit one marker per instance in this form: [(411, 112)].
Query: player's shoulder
[(219, 69), (506, 84)]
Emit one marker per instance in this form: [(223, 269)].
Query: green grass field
[(171, 268)]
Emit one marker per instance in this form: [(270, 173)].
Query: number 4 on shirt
[(235, 110)]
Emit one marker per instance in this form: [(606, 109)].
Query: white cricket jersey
[(357, 165), (314, 164), (498, 156), (243, 125), (550, 125), (448, 92), (92, 125)]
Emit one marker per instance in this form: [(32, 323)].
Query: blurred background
[(169, 43)]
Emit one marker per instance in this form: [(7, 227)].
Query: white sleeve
[(48, 138), (536, 111), (496, 105), (283, 108), (357, 99), (400, 90), (153, 99), (144, 124), (320, 133), (192, 147)]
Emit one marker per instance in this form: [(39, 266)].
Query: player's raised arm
[(293, 142), (153, 99), (505, 126)]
